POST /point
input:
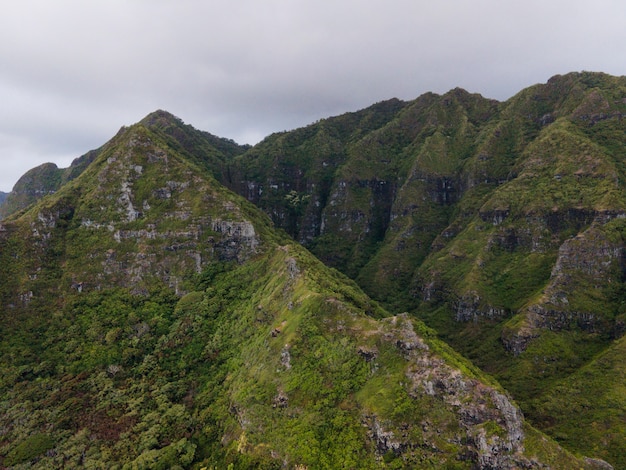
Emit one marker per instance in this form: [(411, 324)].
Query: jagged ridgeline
[(151, 318)]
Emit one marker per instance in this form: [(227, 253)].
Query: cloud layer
[(73, 72)]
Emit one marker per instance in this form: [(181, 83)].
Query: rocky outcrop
[(368, 218), (156, 218), (515, 340), (586, 266), (590, 259), (489, 426), (237, 240), (470, 307), (597, 464)]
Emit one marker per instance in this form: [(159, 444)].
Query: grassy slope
[(587, 409)]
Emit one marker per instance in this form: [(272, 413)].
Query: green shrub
[(30, 448)]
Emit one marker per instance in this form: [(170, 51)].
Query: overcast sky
[(72, 72)]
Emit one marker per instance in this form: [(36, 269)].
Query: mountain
[(200, 147), (501, 225), (41, 181), (151, 318), (527, 279), (498, 224)]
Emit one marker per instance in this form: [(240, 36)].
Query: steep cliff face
[(429, 184), (581, 293), (297, 178), (340, 185)]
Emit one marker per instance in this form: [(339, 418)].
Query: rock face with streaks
[(140, 215), (489, 426)]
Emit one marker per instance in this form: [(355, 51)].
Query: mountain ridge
[(500, 224), (151, 318)]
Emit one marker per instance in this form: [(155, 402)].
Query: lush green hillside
[(501, 225), (153, 319), (202, 148), (530, 285)]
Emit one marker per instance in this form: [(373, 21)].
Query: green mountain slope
[(39, 182), (150, 318), (586, 410), (499, 224), (531, 285), (202, 148)]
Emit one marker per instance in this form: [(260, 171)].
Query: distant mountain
[(3, 196), (151, 318), (499, 224), (41, 181)]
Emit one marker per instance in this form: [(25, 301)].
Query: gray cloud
[(73, 72)]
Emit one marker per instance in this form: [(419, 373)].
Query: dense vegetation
[(152, 318), (499, 224)]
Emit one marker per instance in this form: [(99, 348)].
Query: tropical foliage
[(153, 318)]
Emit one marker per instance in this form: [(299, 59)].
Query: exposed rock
[(280, 400), (516, 341), (589, 259), (239, 240), (592, 257), (385, 441), (285, 357), (179, 237), (404, 335), (292, 268), (495, 217), (598, 464), (491, 426), (589, 253), (369, 354), (470, 308)]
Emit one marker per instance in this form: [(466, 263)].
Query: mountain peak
[(141, 193), (161, 118)]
